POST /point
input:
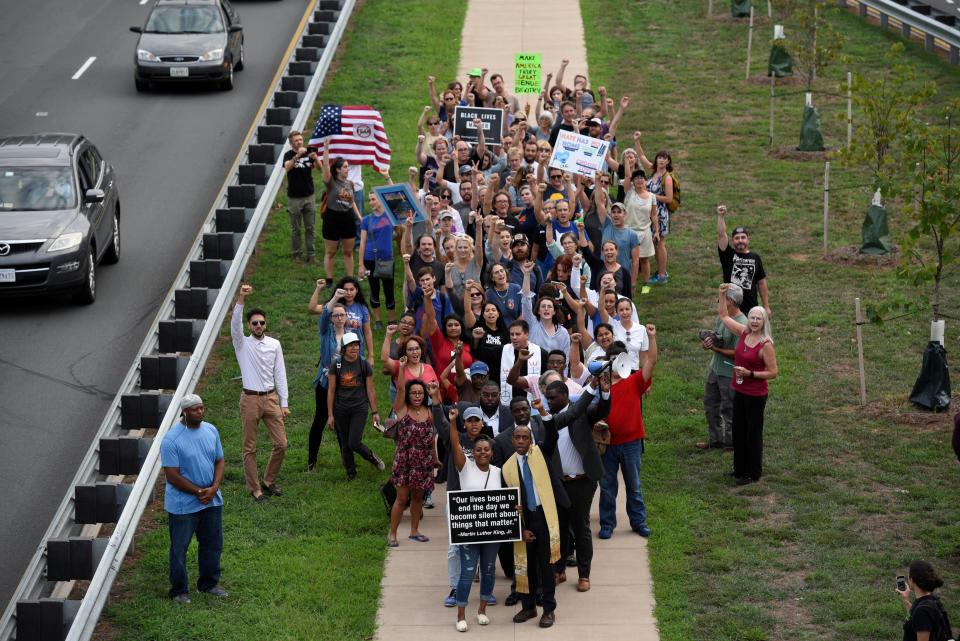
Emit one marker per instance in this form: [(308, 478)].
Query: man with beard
[(496, 415), (740, 265), (520, 253)]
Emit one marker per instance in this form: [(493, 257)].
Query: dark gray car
[(59, 215), (189, 41)]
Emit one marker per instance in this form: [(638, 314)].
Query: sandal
[(392, 543), (419, 537)]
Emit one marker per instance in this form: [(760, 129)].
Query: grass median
[(849, 496), (308, 565)]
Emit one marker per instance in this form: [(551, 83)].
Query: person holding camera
[(927, 619), (717, 393)]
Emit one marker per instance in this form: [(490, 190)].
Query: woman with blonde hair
[(754, 363)]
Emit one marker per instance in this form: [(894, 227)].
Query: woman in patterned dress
[(416, 453)]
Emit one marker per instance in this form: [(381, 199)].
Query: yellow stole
[(541, 478)]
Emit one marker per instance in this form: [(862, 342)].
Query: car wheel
[(227, 83), (142, 85), (113, 251), (88, 290), (239, 65)]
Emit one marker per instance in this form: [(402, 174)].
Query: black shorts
[(339, 225)]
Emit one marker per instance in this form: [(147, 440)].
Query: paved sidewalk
[(495, 30), (618, 606)]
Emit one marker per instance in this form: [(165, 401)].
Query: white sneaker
[(483, 619), (461, 626)]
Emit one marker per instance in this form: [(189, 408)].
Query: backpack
[(942, 631), (674, 204)]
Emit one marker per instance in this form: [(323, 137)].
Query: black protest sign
[(464, 127), (483, 516)]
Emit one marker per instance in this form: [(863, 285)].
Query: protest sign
[(527, 72), (492, 123), (578, 154), (483, 516), (398, 203)]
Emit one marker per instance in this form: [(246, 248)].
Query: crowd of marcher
[(519, 358)]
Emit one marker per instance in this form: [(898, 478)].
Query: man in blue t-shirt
[(192, 459)]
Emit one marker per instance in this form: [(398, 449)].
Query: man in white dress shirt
[(264, 396)]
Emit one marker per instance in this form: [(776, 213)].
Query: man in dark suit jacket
[(502, 450), (495, 414), (572, 426)]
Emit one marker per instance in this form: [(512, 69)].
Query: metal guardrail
[(931, 29), (33, 582)]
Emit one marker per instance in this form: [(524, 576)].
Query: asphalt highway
[(61, 364)]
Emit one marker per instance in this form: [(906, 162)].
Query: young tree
[(811, 39), (929, 187)]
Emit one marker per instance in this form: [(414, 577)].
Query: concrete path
[(495, 30), (619, 604), (415, 583)]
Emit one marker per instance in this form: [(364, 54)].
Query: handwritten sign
[(578, 154), (483, 516), (490, 117), (527, 73)]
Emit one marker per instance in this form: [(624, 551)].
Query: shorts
[(646, 242), (339, 225)]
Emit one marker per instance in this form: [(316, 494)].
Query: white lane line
[(42, 114), (143, 2), (85, 66)]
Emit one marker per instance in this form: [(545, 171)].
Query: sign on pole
[(483, 516), (527, 73), (578, 154), (492, 123)]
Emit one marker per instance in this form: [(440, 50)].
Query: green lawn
[(849, 497)]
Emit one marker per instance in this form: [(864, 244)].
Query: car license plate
[(179, 72), (8, 276)]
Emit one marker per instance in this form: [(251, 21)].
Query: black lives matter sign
[(483, 516), (490, 117)]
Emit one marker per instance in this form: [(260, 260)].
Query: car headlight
[(145, 56), (66, 241), (213, 55)]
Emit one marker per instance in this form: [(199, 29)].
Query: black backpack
[(942, 631)]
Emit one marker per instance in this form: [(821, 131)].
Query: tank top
[(750, 358)]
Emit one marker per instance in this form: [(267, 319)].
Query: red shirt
[(625, 418), (443, 353), (750, 358)]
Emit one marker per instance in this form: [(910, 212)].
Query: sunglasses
[(476, 295), (433, 122), (255, 323), (556, 176), (446, 197)]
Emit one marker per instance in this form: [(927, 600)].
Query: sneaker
[(605, 532), (654, 279), (428, 502), (642, 530), (378, 463), (571, 561), (180, 598), (216, 591), (660, 279), (645, 289), (492, 601), (451, 599)]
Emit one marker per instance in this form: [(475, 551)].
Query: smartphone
[(901, 583)]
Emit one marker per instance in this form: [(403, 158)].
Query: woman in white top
[(631, 334), (476, 473), (546, 329), (642, 217)]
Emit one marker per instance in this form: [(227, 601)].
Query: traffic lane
[(172, 149)]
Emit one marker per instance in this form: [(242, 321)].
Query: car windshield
[(36, 188), (179, 19)]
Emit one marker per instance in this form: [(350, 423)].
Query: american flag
[(354, 132)]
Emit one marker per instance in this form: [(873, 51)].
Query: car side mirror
[(93, 196), (235, 28), (136, 29)]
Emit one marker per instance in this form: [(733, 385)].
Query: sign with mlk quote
[(578, 154), (527, 73), (483, 516)]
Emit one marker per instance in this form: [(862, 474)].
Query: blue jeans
[(470, 555), (207, 524), (626, 457)]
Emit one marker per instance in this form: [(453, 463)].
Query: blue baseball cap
[(479, 368)]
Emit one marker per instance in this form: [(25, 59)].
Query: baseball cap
[(473, 412), (475, 72), (465, 170), (350, 337), (594, 122), (617, 206), (446, 213), (519, 238), (479, 368), (740, 230), (190, 400)]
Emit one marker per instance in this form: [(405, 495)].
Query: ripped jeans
[(484, 554)]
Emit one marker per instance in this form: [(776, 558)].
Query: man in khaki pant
[(264, 396)]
